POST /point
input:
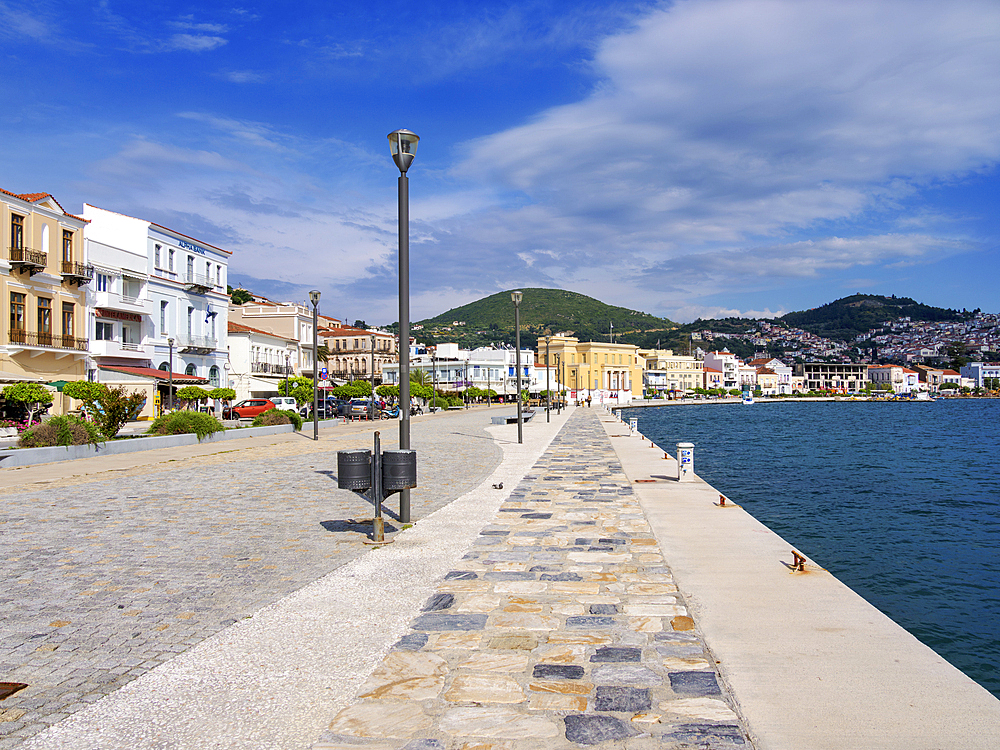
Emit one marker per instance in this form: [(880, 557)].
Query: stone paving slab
[(108, 576), (561, 627)]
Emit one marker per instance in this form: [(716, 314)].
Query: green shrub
[(278, 416), (64, 430), (181, 422)]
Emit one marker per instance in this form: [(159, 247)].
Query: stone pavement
[(561, 627), (107, 577)]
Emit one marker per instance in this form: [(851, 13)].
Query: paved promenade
[(107, 576), (561, 627)]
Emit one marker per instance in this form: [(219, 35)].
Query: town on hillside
[(128, 303)]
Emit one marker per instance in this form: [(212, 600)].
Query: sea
[(900, 501)]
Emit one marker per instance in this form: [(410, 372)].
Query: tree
[(299, 388), (360, 324), (191, 394), (420, 377), (222, 394), (33, 396), (109, 408), (323, 353), (956, 355), (239, 296)]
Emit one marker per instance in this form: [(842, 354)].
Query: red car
[(247, 409)]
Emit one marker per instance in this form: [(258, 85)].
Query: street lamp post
[(403, 145), (286, 374), (372, 414), (516, 297), (170, 376), (559, 384), (314, 298), (548, 392)]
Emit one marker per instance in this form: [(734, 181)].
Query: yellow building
[(42, 274), (594, 369), (669, 372)]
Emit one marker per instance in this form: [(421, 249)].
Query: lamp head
[(516, 297), (403, 144), (314, 297), (170, 342)]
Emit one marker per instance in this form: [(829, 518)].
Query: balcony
[(77, 273), (195, 344), (122, 303), (24, 259), (267, 368), (46, 340), (198, 283)]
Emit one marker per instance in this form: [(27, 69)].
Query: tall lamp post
[(372, 413), (403, 145), (548, 393), (286, 375), (516, 297), (314, 298), (170, 376)]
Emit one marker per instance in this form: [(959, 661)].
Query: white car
[(283, 402)]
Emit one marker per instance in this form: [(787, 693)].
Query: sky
[(699, 158)]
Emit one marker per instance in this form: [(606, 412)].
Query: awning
[(149, 372)]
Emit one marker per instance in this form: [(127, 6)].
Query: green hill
[(543, 311), (845, 318)]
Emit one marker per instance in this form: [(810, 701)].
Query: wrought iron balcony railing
[(46, 339)]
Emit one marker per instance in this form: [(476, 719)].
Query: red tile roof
[(240, 328), (149, 372), (35, 197)]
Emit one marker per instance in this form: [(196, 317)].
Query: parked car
[(334, 407), (284, 402), (248, 408), (361, 408)]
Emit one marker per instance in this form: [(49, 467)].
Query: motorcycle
[(391, 413), (414, 410)]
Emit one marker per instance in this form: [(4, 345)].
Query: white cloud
[(195, 42), (718, 121), (241, 76)]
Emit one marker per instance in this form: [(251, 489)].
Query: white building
[(158, 295), (292, 321), (258, 361), (782, 372), (728, 364), (454, 369), (980, 371)]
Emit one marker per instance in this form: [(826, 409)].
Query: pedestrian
[(588, 402)]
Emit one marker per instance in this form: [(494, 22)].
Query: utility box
[(354, 469), (685, 462), (633, 425), (399, 470)]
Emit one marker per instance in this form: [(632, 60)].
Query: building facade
[(44, 276), (980, 372), (832, 376), (450, 368), (258, 361), (666, 372), (728, 364), (292, 321), (158, 299), (357, 352), (595, 369)]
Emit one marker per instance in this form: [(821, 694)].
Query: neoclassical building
[(594, 369), (43, 280)]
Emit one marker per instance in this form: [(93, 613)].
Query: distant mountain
[(845, 318), (543, 311)]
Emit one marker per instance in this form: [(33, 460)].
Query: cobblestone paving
[(561, 628), (104, 580)]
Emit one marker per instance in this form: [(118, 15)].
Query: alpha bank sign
[(193, 248)]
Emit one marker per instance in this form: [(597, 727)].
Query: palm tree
[(323, 353), (420, 377)]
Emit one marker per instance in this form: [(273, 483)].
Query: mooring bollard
[(685, 462), (375, 476)]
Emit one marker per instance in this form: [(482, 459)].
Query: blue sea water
[(900, 501)]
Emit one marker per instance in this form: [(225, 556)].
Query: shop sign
[(119, 315)]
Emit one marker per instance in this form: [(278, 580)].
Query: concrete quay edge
[(810, 662)]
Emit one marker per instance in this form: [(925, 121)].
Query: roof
[(149, 372), (712, 369), (765, 371), (351, 331), (240, 328), (35, 197)]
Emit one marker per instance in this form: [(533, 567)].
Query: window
[(103, 282), (190, 268), (190, 321), (45, 321), (170, 260), (16, 311), (67, 249), (156, 256), (191, 370), (131, 288), (106, 332), (208, 271), (163, 318), (45, 238), (16, 231), (218, 275), (67, 318), (213, 376)]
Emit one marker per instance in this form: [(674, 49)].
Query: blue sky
[(695, 158)]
